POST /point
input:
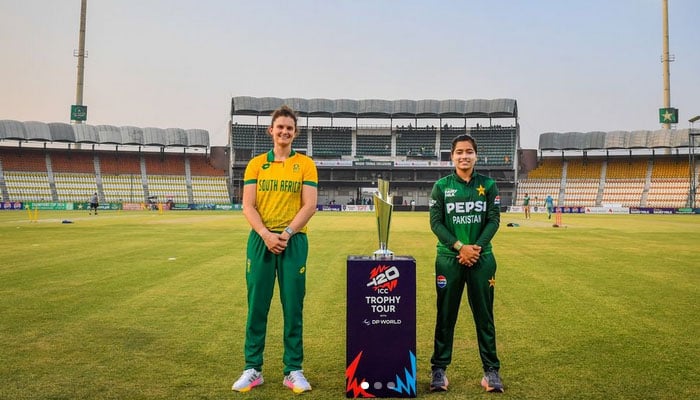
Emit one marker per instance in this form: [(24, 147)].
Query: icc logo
[(383, 279)]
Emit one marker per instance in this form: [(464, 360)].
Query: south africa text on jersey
[(275, 185)]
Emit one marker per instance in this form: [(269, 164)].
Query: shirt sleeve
[(310, 177), (251, 172)]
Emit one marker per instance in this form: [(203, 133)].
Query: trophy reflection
[(383, 207)]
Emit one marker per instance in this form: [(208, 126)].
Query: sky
[(572, 66)]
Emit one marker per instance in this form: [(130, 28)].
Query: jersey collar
[(474, 175), (271, 155)]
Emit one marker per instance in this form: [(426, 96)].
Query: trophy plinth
[(383, 254), (383, 208)]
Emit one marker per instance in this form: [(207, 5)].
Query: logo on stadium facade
[(383, 278)]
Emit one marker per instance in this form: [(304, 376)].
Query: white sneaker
[(248, 380), (297, 382)]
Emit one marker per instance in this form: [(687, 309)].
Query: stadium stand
[(549, 168), (119, 163), (350, 158), (72, 162), (669, 184), (538, 189), (416, 142), (210, 189), (159, 164), (624, 181), (168, 187), (373, 142), (57, 174), (28, 160), (27, 186), (72, 175), (251, 137), (496, 144), (74, 186), (200, 166), (123, 188), (331, 142), (624, 192), (301, 142)]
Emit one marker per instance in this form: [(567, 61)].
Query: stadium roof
[(374, 108), (102, 134), (662, 138)]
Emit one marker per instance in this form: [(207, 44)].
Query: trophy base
[(383, 254)]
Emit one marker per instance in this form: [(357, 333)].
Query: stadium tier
[(409, 146), (355, 142), (59, 175), (594, 182), (351, 159)]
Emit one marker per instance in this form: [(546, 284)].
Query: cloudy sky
[(571, 65)]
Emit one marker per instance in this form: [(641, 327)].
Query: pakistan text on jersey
[(274, 185), (466, 219), (462, 207)]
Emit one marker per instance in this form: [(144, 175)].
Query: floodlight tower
[(78, 110), (666, 59)]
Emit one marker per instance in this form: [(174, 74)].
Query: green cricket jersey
[(465, 211)]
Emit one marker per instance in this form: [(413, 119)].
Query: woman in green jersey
[(465, 215), (279, 198)]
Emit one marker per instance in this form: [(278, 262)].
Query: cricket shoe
[(297, 382), (248, 380), (438, 380), (491, 381)]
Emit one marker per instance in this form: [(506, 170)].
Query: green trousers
[(261, 270), (451, 279)]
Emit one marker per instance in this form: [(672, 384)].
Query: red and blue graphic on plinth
[(381, 327)]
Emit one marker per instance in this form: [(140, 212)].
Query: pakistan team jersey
[(464, 211), (279, 183)]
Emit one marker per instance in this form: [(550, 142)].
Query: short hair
[(284, 111), (463, 138)]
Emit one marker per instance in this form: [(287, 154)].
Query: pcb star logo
[(668, 116), (492, 281), (482, 190)]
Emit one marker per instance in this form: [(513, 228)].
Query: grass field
[(137, 305)]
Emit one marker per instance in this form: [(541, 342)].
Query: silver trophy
[(383, 207)]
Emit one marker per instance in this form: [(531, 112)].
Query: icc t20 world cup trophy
[(381, 316), (383, 208)]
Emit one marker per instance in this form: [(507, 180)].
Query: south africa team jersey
[(279, 183), (464, 211)]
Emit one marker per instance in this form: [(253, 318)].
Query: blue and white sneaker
[(438, 380), (492, 382)]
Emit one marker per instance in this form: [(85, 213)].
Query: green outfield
[(142, 305)]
